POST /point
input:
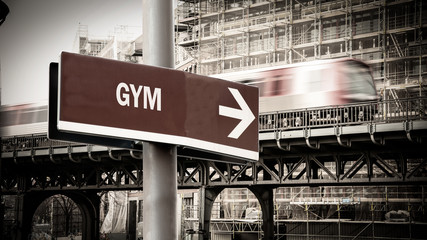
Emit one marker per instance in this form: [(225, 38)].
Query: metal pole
[(339, 221), (373, 221), (159, 160), (160, 191), (158, 33), (307, 226)]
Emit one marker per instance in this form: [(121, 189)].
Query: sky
[(37, 31)]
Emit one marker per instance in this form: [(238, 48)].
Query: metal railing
[(388, 111), (33, 142)]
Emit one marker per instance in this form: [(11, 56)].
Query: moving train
[(309, 84), (23, 119)]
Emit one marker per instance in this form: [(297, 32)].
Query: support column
[(132, 219), (265, 198), (160, 191), (88, 203), (1, 218), (24, 216), (207, 199), (1, 187)]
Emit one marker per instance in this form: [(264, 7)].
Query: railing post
[(276, 120)]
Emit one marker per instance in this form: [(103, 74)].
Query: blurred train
[(303, 85), (23, 119), (309, 84)]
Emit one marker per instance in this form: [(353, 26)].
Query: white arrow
[(244, 114)]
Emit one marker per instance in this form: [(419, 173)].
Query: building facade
[(218, 36)]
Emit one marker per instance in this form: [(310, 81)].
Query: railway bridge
[(376, 143)]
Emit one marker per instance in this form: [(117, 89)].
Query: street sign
[(125, 101)]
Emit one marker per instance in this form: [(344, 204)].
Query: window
[(360, 80)]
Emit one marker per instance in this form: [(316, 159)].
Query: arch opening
[(57, 217), (238, 212)]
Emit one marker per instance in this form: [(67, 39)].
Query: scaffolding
[(356, 212), (219, 36), (122, 44), (326, 212)]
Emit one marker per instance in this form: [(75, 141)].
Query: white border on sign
[(156, 137)]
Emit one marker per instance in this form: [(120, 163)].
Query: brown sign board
[(125, 101)]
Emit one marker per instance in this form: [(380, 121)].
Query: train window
[(310, 79), (257, 83), (8, 118), (22, 115), (275, 84), (314, 80), (360, 80)]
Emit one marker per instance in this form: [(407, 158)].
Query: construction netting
[(115, 220)]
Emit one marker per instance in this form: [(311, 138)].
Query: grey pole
[(157, 32), (160, 191), (159, 160)]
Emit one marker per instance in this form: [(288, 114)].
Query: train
[(23, 119), (319, 83)]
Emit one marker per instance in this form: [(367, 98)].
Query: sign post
[(159, 160)]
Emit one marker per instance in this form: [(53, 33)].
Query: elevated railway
[(367, 144)]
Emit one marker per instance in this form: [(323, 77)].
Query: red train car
[(309, 84)]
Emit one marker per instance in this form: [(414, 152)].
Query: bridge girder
[(292, 162)]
